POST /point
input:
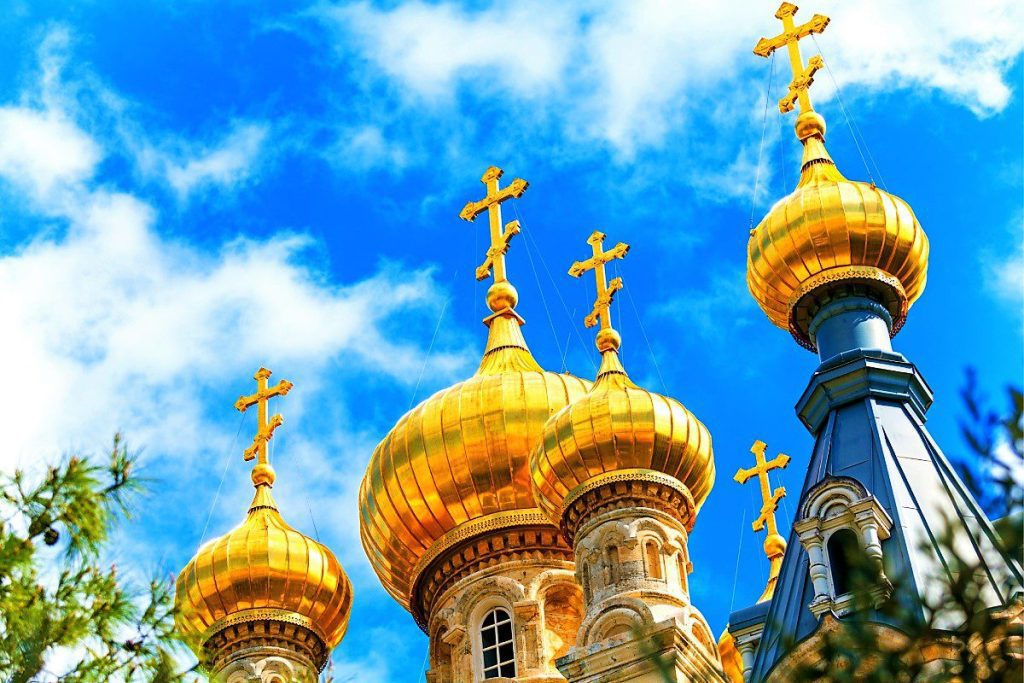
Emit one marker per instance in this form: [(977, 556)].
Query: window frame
[(499, 669)]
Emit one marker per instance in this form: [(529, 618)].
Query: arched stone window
[(497, 644), (612, 564), (585, 580), (842, 526), (843, 556), (652, 558)]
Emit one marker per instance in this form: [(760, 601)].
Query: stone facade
[(265, 651), (546, 605), (633, 565)]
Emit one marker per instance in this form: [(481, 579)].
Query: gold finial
[(803, 76), (774, 543), (263, 473), (501, 294), (607, 338)]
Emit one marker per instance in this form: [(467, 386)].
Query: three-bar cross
[(770, 500), (605, 289), (500, 239), (264, 427), (790, 37)]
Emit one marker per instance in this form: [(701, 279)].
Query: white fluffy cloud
[(628, 73), (117, 326), (229, 163), (40, 149)]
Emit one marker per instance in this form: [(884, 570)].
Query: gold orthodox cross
[(770, 500), (264, 427), (790, 37), (605, 289), (500, 239)]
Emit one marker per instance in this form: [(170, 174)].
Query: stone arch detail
[(622, 611)]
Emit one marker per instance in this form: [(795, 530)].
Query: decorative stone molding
[(467, 555), (266, 667), (678, 643), (627, 489), (246, 640), (834, 504)]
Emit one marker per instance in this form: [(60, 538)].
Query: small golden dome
[(831, 229), (619, 426), (732, 662), (459, 460), (263, 569)]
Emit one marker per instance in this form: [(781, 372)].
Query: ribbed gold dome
[(459, 460), (263, 569), (832, 229), (618, 427)]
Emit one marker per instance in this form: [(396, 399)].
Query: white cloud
[(431, 49), (40, 149), (115, 326), (231, 162), (629, 73), (1005, 270), (366, 147)]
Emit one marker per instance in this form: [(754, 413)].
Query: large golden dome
[(831, 230), (458, 462), (263, 569), (620, 430)]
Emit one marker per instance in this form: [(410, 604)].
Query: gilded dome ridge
[(456, 464), (263, 569), (830, 233)]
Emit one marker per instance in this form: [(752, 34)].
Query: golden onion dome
[(832, 230), (620, 430), (458, 462), (263, 569)]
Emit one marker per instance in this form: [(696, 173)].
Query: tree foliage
[(58, 603)]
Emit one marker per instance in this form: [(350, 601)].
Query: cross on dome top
[(499, 296), (607, 337), (774, 543), (790, 37), (263, 473)]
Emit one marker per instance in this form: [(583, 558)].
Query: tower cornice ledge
[(856, 375), (667, 646)]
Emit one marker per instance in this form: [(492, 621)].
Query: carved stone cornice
[(240, 639), (506, 538), (629, 488)]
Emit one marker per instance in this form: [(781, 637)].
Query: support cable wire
[(647, 340), (565, 354), (785, 505), (536, 277), (760, 149), (851, 124), (739, 552), (430, 349), (223, 474), (574, 327)]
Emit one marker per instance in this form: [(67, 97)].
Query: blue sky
[(190, 192)]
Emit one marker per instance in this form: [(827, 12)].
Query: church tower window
[(498, 645), (652, 557), (843, 549)]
